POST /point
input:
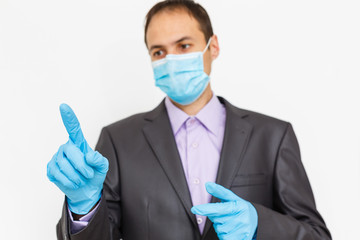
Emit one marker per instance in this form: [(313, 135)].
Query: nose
[(171, 51)]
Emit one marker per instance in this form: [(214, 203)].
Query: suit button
[(199, 220)]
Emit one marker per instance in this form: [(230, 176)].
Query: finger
[(50, 168), (236, 233), (223, 219), (68, 170), (77, 160), (216, 209), (220, 192), (97, 161), (54, 175), (72, 126), (243, 235), (227, 224)]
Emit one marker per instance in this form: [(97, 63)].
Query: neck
[(195, 107)]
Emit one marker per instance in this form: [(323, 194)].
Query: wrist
[(83, 207), (77, 217)]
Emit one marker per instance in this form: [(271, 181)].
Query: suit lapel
[(160, 137), (236, 136)]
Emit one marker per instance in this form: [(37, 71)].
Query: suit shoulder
[(260, 120), (131, 123), (252, 117)]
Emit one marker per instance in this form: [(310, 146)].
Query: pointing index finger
[(72, 126)]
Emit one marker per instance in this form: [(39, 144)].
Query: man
[(160, 167)]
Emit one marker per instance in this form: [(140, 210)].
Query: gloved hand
[(233, 217), (76, 169)]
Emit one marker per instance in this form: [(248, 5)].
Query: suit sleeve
[(105, 224), (294, 215)]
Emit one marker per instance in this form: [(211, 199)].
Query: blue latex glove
[(233, 217), (76, 169)]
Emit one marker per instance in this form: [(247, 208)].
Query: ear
[(214, 47)]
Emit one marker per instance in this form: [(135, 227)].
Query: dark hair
[(194, 9)]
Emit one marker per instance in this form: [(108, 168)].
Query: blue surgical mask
[(182, 76)]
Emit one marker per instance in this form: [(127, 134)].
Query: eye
[(185, 46), (158, 53)]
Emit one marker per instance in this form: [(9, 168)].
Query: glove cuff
[(83, 207)]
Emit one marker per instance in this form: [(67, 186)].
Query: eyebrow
[(177, 41)]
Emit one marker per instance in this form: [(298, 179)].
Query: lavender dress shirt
[(199, 140)]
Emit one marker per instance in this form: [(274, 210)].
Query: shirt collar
[(212, 115), (176, 115)]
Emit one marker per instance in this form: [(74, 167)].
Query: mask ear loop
[(207, 45)]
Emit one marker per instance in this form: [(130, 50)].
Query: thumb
[(73, 128), (215, 209), (220, 192), (97, 161)]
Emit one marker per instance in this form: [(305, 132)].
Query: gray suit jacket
[(145, 195)]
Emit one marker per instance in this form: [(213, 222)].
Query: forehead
[(170, 25)]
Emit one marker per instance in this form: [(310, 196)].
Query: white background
[(295, 60)]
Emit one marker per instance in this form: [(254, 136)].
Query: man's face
[(176, 32)]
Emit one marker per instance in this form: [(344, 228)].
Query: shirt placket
[(194, 177)]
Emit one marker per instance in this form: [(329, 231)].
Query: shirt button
[(190, 121), (195, 145), (199, 220), (196, 181)]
